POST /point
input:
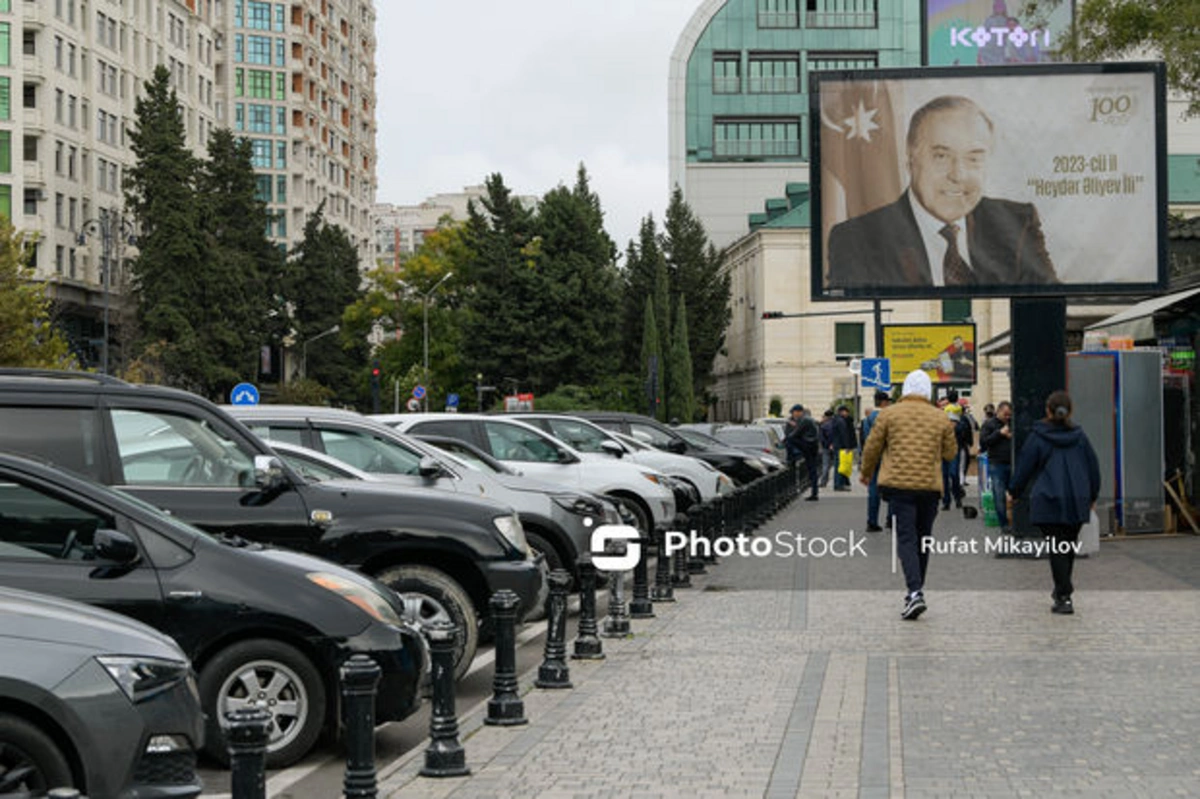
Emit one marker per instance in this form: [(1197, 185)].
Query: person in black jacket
[(844, 438), (995, 439), (803, 441), (1058, 460)]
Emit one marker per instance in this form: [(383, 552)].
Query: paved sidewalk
[(786, 677)]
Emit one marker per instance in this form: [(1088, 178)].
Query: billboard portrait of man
[(942, 231), (1006, 181), (955, 364)]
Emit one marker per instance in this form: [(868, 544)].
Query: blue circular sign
[(243, 394), (419, 392)]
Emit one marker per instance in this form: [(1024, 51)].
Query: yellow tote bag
[(846, 462)]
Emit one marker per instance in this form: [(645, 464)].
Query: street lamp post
[(113, 230), (425, 322), (304, 347)]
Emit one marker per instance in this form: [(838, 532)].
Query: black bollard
[(663, 590), (710, 519), (246, 736), (695, 521), (681, 578), (640, 607), (616, 623), (360, 679), (505, 708), (445, 756), (587, 644), (554, 672)]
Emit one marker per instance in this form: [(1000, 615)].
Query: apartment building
[(296, 78)]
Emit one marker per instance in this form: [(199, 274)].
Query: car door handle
[(185, 596)]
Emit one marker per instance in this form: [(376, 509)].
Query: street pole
[(106, 248), (425, 322), (113, 230)]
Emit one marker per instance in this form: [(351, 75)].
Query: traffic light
[(376, 373), (772, 315)]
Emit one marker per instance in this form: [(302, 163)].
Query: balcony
[(34, 173), (842, 19), (34, 14), (31, 65), (33, 120)]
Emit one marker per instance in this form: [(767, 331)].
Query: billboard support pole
[(1039, 366), (877, 309)]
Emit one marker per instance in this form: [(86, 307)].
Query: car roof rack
[(62, 374)]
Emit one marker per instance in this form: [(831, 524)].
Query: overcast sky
[(529, 89)]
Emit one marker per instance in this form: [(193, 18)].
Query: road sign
[(244, 394), (451, 400), (414, 405), (876, 373), (419, 392)]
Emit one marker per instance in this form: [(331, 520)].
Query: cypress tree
[(682, 403), (652, 362)]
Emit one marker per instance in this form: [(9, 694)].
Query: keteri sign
[(992, 32)]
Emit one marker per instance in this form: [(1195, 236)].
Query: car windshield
[(742, 436), (580, 435)]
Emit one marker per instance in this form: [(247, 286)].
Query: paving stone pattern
[(785, 678)]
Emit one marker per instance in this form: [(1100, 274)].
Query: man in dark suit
[(943, 231)]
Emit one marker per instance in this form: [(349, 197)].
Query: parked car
[(264, 627), (537, 454), (759, 440), (777, 422), (742, 468), (93, 701), (556, 520), (698, 439), (444, 554), (704, 480)]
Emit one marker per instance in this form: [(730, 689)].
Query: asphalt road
[(320, 774)]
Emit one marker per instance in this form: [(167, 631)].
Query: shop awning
[(1137, 321)]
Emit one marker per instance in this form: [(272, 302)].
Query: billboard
[(945, 352), (1000, 181), (990, 33)]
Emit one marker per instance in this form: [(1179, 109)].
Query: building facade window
[(260, 153), (6, 200), (258, 50), (848, 338), (822, 61), (756, 138), (842, 14), (258, 83), (5, 152), (956, 310), (5, 44), (777, 73), (778, 13), (727, 73), (260, 118), (5, 98), (258, 15)]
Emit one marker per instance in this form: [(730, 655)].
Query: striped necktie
[(955, 271)]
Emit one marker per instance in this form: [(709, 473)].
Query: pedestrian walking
[(882, 400), (908, 444), (964, 449), (844, 439), (803, 442), (828, 454), (995, 439), (952, 490), (1058, 461)]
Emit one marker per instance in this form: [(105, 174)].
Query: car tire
[(429, 595), (644, 523), (30, 761), (227, 679)]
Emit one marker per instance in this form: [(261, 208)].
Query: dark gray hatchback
[(93, 701)]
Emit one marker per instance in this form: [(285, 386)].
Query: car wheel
[(429, 595), (275, 677), (643, 523), (30, 762)]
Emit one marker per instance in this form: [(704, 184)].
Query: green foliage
[(696, 271), (643, 259), (304, 391), (775, 407), (617, 393), (322, 280), (1110, 30), (681, 403), (651, 362), (28, 338)]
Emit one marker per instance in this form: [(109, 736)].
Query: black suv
[(740, 467), (444, 554)]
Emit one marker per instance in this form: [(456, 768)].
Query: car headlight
[(510, 527), (579, 504), (140, 678), (365, 599)]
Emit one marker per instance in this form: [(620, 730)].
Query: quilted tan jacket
[(910, 439)]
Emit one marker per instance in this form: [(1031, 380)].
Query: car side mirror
[(677, 446), (268, 473), (115, 546), (612, 448), (430, 469)]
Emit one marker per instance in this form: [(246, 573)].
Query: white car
[(589, 437), (536, 453)]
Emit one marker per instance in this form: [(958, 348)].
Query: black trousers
[(1062, 563), (914, 512)]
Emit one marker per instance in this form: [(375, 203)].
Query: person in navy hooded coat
[(1058, 461)]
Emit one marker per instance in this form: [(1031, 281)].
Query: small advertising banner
[(945, 352)]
